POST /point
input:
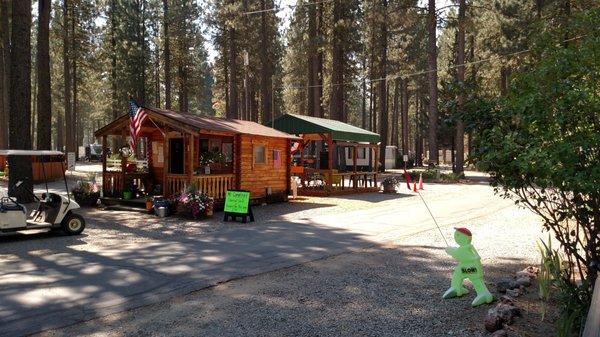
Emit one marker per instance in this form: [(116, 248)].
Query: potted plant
[(127, 193), (193, 204), (86, 194), (205, 160), (390, 183), (149, 203)]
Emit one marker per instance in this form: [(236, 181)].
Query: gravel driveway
[(391, 289)]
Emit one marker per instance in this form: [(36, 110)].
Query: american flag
[(137, 115)]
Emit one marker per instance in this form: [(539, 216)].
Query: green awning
[(298, 124)]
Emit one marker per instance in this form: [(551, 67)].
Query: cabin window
[(228, 152), (362, 153), (260, 154), (350, 152)]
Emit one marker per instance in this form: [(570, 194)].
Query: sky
[(285, 15)]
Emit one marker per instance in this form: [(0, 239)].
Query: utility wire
[(277, 9), (423, 72)]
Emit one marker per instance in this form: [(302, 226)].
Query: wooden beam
[(354, 156)]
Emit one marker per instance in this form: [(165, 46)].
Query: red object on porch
[(407, 178)]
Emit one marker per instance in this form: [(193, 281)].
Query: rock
[(504, 284), (507, 300), (524, 281), (513, 292), (493, 321), (506, 312), (530, 272), (500, 333)]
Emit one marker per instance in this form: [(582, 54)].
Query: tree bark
[(405, 125), (67, 77), (459, 137), (383, 111), (336, 100), (20, 101), (167, 54), (363, 121), (266, 65), (44, 100), (232, 107), (432, 77), (395, 111), (4, 73), (315, 59)]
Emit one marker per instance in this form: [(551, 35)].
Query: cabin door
[(176, 155)]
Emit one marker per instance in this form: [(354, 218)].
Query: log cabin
[(176, 150)]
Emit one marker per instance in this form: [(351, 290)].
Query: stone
[(523, 281), (506, 312), (513, 292), (504, 284), (507, 300), (493, 321), (500, 333)]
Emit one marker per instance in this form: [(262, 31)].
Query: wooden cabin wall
[(256, 178), (156, 167)]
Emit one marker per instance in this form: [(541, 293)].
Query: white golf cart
[(54, 211)]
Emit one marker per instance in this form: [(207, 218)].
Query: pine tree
[(20, 101), (44, 92)]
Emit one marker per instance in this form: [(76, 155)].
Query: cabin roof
[(340, 131), (198, 123)]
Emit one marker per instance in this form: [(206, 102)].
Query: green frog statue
[(469, 266)]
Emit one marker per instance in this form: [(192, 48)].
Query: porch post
[(354, 157), (104, 138), (330, 145), (190, 158)]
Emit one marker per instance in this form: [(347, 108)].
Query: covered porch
[(332, 156)]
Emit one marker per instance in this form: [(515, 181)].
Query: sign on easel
[(71, 161), (237, 204)]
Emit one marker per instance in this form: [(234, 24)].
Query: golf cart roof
[(29, 153)]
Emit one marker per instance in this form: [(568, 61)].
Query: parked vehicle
[(54, 211)]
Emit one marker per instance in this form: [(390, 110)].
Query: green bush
[(541, 145)]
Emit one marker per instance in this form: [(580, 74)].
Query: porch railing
[(114, 164), (215, 185), (112, 183)]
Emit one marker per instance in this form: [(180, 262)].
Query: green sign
[(237, 201)]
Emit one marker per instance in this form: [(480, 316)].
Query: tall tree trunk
[(20, 101), (266, 65), (4, 73), (167, 53), (315, 59), (459, 137), (319, 65), (67, 77), (405, 126), (44, 103), (75, 83), (336, 100), (432, 77), (232, 107), (383, 114), (395, 110), (363, 115)]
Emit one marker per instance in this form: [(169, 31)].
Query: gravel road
[(390, 289)]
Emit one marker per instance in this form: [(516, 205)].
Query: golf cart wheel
[(73, 224)]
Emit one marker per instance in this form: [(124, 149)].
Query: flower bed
[(86, 194), (193, 204)]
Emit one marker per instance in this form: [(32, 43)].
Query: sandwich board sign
[(70, 161), (237, 204)]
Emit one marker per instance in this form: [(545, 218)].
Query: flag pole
[(435, 221)]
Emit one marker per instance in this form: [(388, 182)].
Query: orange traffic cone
[(415, 187), (421, 181)]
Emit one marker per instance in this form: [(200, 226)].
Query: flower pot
[(86, 200), (206, 169), (209, 212), (127, 195), (389, 188), (149, 205)]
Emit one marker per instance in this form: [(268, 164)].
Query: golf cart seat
[(51, 199), (6, 204)]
